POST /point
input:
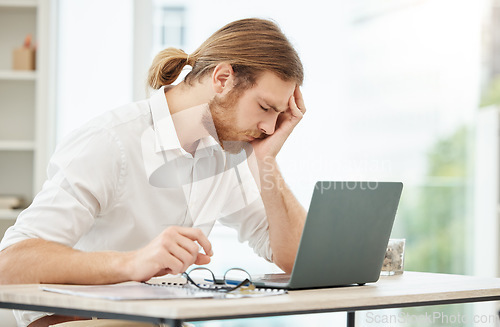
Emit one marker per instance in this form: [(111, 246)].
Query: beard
[(224, 118)]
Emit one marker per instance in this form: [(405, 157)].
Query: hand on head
[(286, 122)]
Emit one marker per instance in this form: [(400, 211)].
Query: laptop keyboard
[(278, 278)]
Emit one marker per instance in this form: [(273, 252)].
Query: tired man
[(134, 193)]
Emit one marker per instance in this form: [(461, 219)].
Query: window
[(169, 27)]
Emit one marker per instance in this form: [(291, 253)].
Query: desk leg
[(351, 315)]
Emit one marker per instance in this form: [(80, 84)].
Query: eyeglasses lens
[(202, 277), (234, 277)]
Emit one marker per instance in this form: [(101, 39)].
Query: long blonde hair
[(250, 46)]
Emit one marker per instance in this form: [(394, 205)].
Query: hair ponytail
[(166, 67)]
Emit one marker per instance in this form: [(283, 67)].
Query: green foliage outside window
[(491, 95), (433, 217), (435, 222)]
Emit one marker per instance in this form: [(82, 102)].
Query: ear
[(222, 78)]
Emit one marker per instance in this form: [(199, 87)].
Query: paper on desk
[(141, 291), (130, 291)]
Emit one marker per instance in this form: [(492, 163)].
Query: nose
[(268, 125)]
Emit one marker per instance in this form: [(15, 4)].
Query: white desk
[(407, 290)]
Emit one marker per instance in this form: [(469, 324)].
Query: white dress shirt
[(122, 178)]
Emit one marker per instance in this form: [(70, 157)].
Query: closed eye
[(265, 109)]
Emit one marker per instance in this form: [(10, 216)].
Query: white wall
[(95, 43)]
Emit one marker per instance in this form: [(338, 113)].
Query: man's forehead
[(274, 91)]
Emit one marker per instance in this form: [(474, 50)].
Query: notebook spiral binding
[(257, 290)]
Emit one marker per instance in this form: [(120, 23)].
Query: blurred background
[(396, 90)]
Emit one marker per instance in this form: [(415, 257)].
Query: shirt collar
[(165, 135)]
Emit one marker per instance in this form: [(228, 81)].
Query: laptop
[(345, 236)]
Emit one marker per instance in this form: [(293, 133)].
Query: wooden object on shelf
[(24, 58)]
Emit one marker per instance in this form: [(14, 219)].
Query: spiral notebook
[(157, 291)]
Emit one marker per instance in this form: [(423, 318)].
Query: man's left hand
[(271, 145)]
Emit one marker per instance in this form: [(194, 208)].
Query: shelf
[(17, 145), (18, 75), (9, 214), (18, 3), (25, 114)]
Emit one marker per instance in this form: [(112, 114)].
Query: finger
[(202, 259), (294, 109), (174, 265), (181, 259), (197, 235), (163, 272), (188, 244), (299, 99)]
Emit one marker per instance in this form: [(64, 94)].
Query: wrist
[(122, 266), (266, 164), (267, 173)]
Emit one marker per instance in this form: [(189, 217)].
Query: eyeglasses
[(234, 278)]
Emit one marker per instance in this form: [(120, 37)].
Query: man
[(133, 194)]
